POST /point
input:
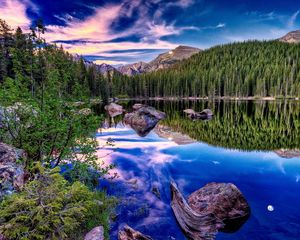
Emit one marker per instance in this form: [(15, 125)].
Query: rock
[(96, 233), (12, 174), (2, 237), (85, 111), (215, 207), (114, 109), (130, 234), (137, 106), (189, 111), (144, 119), (203, 115), (207, 113), (177, 137)]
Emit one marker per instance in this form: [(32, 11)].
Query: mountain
[(167, 59), (133, 69), (291, 37), (105, 69), (239, 70), (163, 61)]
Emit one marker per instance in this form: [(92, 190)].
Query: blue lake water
[(146, 163)]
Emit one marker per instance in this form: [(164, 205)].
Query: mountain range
[(167, 59), (162, 61)]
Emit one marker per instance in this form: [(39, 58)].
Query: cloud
[(93, 28), (14, 12), (220, 25), (95, 34), (181, 3), (292, 20), (111, 62)]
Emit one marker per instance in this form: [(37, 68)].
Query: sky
[(126, 31)]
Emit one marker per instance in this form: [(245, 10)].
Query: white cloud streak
[(292, 20)]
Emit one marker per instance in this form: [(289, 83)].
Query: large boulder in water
[(96, 233), (129, 233), (215, 207), (114, 109), (12, 173), (144, 119)]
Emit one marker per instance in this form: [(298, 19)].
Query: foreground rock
[(114, 109), (12, 174), (215, 207), (96, 233), (130, 234), (205, 114), (144, 119)]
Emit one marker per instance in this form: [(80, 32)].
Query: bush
[(51, 208)]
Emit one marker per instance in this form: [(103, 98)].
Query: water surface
[(239, 145)]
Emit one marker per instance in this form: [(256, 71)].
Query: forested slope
[(254, 68)]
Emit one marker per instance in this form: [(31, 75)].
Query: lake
[(252, 144)]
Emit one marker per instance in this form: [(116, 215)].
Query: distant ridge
[(162, 61), (291, 37)]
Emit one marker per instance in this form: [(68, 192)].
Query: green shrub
[(51, 208)]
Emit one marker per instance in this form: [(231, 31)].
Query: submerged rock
[(215, 207), (144, 119), (12, 174), (177, 137), (114, 109), (96, 233), (129, 233)]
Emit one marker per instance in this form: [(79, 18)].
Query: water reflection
[(214, 151)]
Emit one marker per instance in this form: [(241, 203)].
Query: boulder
[(114, 109), (12, 174), (189, 111), (203, 115), (130, 234), (144, 119), (213, 208), (206, 112), (137, 106), (96, 233)]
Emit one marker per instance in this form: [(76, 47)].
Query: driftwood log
[(215, 207)]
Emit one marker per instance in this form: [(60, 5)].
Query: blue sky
[(126, 31)]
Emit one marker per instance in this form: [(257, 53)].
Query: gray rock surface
[(144, 119), (129, 233), (114, 109), (12, 173), (96, 233)]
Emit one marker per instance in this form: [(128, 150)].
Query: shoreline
[(209, 98)]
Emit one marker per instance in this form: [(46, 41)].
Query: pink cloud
[(14, 13)]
